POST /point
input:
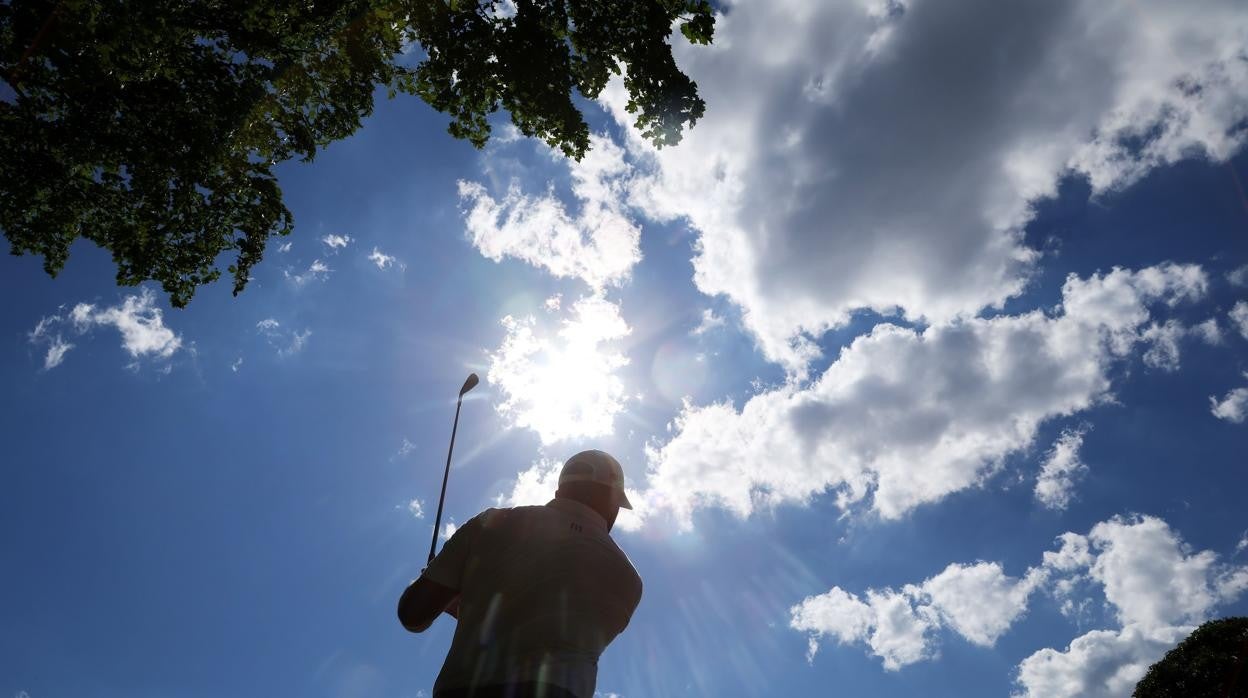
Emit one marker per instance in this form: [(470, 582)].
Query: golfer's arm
[(422, 602)]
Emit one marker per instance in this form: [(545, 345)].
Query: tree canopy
[(152, 127), (1212, 661)]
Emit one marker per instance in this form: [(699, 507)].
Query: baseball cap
[(600, 467)]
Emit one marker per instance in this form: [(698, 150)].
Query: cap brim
[(622, 500)]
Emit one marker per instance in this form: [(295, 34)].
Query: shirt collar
[(580, 511)]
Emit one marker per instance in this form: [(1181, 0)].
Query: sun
[(563, 384)]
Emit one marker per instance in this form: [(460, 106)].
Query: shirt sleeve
[(448, 566)]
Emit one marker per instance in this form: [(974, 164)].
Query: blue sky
[(927, 370)]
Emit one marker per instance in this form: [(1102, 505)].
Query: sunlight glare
[(562, 386)]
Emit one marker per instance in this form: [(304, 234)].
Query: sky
[(925, 353)]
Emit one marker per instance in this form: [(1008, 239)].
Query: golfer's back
[(543, 589)]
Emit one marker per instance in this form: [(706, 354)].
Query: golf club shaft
[(445, 475)]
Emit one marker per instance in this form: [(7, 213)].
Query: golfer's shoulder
[(513, 520), (622, 570)]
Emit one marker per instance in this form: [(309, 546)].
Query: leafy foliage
[(152, 127), (1212, 661)]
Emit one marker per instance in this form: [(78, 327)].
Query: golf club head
[(469, 384)]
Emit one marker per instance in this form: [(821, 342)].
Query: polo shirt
[(543, 591)]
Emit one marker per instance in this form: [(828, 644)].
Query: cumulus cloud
[(1163, 340), (978, 602), (709, 322), (1239, 318), (316, 270), (1159, 591), (416, 509), (1209, 332), (876, 160), (1097, 664), (598, 245), (533, 486), (1061, 468), (285, 247), (140, 322), (286, 342), (562, 384), (1233, 407), (336, 242), (384, 261), (907, 416), (1238, 276)]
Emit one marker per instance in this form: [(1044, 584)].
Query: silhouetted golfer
[(539, 591)]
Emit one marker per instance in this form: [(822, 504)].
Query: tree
[(1210, 662), (152, 127)]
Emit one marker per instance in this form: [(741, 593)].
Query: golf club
[(468, 385)]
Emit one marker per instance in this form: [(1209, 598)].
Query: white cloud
[(56, 353), (297, 342), (709, 322), (553, 303), (837, 614), (1157, 587), (1061, 469), (448, 530), (140, 322), (57, 347), (416, 509), (236, 364), (1239, 318), (508, 133), (383, 260), (1159, 591), (1074, 553), (285, 247), (1209, 332), (1239, 276), (286, 342), (316, 270), (1097, 664), (909, 416), (873, 159), (566, 385), (600, 245), (1148, 574), (336, 242), (533, 486), (900, 632), (1233, 407), (1163, 340), (979, 602), (405, 448)]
